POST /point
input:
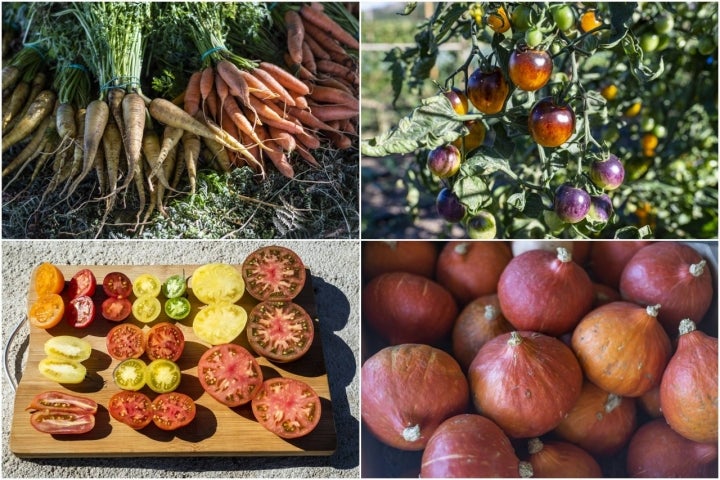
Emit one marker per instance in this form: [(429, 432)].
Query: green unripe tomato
[(564, 17), (482, 226), (660, 131), (649, 42), (664, 23), (522, 17), (706, 46), (648, 123), (533, 37)]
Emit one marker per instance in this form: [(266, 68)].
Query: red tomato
[(134, 409), (82, 283), (125, 341), (287, 407), (273, 273), (165, 340), (52, 400), (230, 374), (80, 312), (280, 331), (117, 284), (116, 309), (172, 410), (59, 422)]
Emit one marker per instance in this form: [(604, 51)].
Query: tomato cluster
[(539, 349)]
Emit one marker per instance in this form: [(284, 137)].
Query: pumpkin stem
[(462, 248), (525, 470), (411, 434), (653, 310), (564, 255), (515, 339), (535, 445), (490, 312), (686, 326), (613, 401), (696, 269)]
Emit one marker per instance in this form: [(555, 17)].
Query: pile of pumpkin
[(545, 359)]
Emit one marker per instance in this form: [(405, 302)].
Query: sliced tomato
[(280, 331), (82, 283), (131, 408), (273, 273), (217, 282), (125, 341), (116, 309), (165, 340), (48, 279), (173, 410), (117, 284), (175, 286), (58, 422), (146, 284), (47, 311), (146, 308), (62, 371), (287, 407), (162, 375), (80, 312), (130, 374), (219, 323), (68, 347), (53, 400), (177, 308), (230, 374)]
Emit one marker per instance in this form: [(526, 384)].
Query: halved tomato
[(230, 374), (68, 347), (125, 341), (53, 400), (280, 331), (175, 286), (58, 422), (177, 308), (130, 374), (131, 408), (219, 323), (217, 282), (80, 312), (62, 371), (116, 309), (48, 279), (146, 308), (165, 340), (82, 283), (117, 284), (287, 407), (173, 410), (146, 284), (273, 273), (162, 375), (47, 311)]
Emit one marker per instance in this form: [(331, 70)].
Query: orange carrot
[(222, 91), (257, 87), (295, 34), (268, 113), (212, 105), (326, 41), (279, 159), (335, 69), (273, 85), (334, 96), (335, 83), (192, 94), (308, 119), (285, 78), (308, 140), (318, 52), (339, 140), (300, 70), (308, 59), (307, 156), (232, 110), (235, 81), (327, 113), (282, 138), (327, 24), (207, 82), (301, 102)]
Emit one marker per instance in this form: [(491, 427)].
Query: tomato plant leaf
[(473, 192), (485, 163), (621, 17), (432, 124)]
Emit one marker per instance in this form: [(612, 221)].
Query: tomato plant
[(632, 81), (287, 407), (229, 374), (280, 331)]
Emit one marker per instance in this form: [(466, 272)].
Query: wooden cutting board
[(216, 429)]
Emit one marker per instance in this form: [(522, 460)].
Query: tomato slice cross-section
[(230, 374), (165, 340), (280, 331), (219, 323), (47, 311), (125, 341), (173, 410), (273, 273), (131, 408), (287, 407), (58, 422)]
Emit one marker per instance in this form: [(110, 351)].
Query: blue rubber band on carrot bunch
[(211, 51)]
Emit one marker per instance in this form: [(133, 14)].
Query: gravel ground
[(335, 269)]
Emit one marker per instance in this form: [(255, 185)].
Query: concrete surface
[(335, 269)]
